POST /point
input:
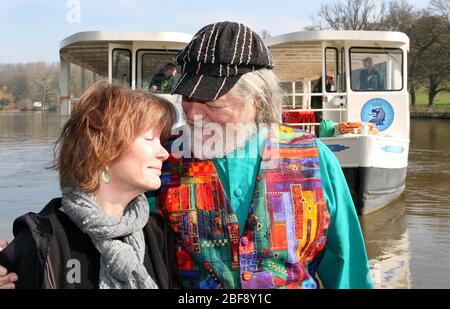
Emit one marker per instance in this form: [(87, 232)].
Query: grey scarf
[(121, 262)]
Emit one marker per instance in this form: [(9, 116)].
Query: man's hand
[(6, 280)]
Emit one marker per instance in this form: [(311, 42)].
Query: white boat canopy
[(299, 55), (89, 49)]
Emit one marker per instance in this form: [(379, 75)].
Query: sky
[(31, 30)]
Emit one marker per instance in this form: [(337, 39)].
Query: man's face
[(227, 110), (366, 65), (171, 72)]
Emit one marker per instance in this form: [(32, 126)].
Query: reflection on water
[(428, 203), (408, 242), (388, 248)]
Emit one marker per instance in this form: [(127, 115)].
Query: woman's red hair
[(102, 127)]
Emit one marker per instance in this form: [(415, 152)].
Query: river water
[(408, 242)]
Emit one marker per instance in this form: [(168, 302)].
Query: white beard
[(224, 142)]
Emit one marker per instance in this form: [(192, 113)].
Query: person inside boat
[(316, 101), (164, 81), (100, 234), (369, 77)]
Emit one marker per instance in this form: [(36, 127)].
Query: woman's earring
[(105, 176)]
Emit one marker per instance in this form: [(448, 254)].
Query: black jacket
[(40, 250)]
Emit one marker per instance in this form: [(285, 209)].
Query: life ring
[(355, 128), (349, 125)]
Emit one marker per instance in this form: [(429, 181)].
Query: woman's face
[(140, 168)]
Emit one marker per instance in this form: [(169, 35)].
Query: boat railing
[(325, 97), (303, 116)]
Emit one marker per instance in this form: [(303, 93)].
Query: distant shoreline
[(419, 115)]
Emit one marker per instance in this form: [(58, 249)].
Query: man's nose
[(192, 109)]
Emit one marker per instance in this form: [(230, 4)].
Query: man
[(271, 220), (316, 101), (369, 77), (164, 81), (278, 217)]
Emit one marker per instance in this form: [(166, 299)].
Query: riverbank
[(435, 115), (421, 112)]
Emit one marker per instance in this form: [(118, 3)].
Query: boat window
[(294, 91), (121, 66), (331, 68), (376, 69), (156, 68)]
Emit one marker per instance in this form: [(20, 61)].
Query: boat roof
[(340, 35), (90, 49), (298, 55)]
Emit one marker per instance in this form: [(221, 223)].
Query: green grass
[(441, 101)]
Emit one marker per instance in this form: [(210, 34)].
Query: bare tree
[(349, 15), (440, 7), (47, 79), (40, 76), (400, 16), (364, 15), (19, 86), (37, 81)]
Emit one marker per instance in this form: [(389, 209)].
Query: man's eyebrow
[(192, 100), (219, 105)]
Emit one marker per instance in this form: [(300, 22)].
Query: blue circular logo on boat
[(379, 112)]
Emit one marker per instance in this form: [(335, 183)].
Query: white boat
[(374, 164)]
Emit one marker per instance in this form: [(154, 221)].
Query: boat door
[(331, 85), (149, 62), (120, 60), (312, 74), (377, 88)]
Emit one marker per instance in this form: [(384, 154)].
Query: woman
[(100, 234)]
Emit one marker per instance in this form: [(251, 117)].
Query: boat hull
[(374, 188), (374, 167)]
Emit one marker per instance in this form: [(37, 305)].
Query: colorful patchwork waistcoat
[(286, 226)]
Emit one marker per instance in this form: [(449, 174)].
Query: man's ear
[(257, 103)]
